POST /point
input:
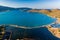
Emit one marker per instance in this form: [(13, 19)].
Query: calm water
[(27, 19)]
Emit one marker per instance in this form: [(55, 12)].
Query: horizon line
[(29, 7)]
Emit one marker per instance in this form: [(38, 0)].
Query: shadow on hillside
[(38, 34), (41, 34)]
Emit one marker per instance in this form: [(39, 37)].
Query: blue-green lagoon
[(24, 20)]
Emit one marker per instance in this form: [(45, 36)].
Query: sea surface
[(28, 20)]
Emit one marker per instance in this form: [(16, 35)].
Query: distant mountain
[(4, 8)]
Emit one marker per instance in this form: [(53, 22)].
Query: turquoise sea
[(28, 20)]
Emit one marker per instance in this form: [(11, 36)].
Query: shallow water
[(27, 19)]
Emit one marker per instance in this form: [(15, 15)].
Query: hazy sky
[(31, 3)]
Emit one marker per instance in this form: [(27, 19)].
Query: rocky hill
[(51, 12), (55, 13), (54, 31), (4, 8)]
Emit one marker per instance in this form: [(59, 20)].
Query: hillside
[(55, 13), (3, 8), (51, 12), (54, 31)]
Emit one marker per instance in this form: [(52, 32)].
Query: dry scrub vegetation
[(55, 13)]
